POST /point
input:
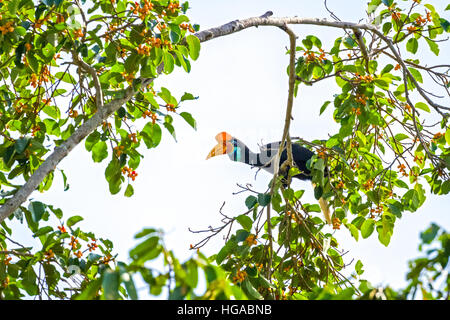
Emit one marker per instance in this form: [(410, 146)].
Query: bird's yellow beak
[(223, 146), (218, 150)]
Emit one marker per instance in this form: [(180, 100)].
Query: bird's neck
[(247, 156), (253, 159)]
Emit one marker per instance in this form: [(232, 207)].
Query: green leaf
[(385, 229), (333, 141), (324, 106), (373, 65), (37, 210), (151, 134), (416, 74), (401, 136), (387, 69), (66, 77), (349, 42), (307, 43), (111, 52), (367, 228), (56, 211), (411, 200), (412, 45), (318, 192), (263, 199), (48, 51), (29, 280), (319, 165), (241, 235), (395, 208), (210, 273), (312, 208), (253, 293), (447, 136), (383, 237), (169, 62), (245, 222), (33, 62), (13, 5), (132, 63), (430, 234), (181, 60), (194, 46), (148, 69), (353, 231), (73, 220), (382, 83), (21, 144), (445, 24), (358, 267), (129, 285), (174, 35), (189, 119), (226, 250), (110, 284), (99, 151), (170, 128), (433, 46), (251, 201), (129, 191), (51, 275), (387, 27), (91, 290), (188, 96), (422, 106), (121, 112), (52, 111), (146, 250), (145, 232), (192, 273), (42, 231), (114, 176), (91, 140)]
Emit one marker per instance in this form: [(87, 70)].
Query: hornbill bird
[(238, 151)]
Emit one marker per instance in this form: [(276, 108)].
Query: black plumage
[(265, 158)]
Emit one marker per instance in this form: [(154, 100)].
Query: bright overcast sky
[(242, 85)]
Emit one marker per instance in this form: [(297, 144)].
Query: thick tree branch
[(266, 20)]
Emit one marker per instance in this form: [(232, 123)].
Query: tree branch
[(266, 20), (285, 139), (93, 72)]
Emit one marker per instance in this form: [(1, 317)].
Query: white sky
[(241, 82)]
